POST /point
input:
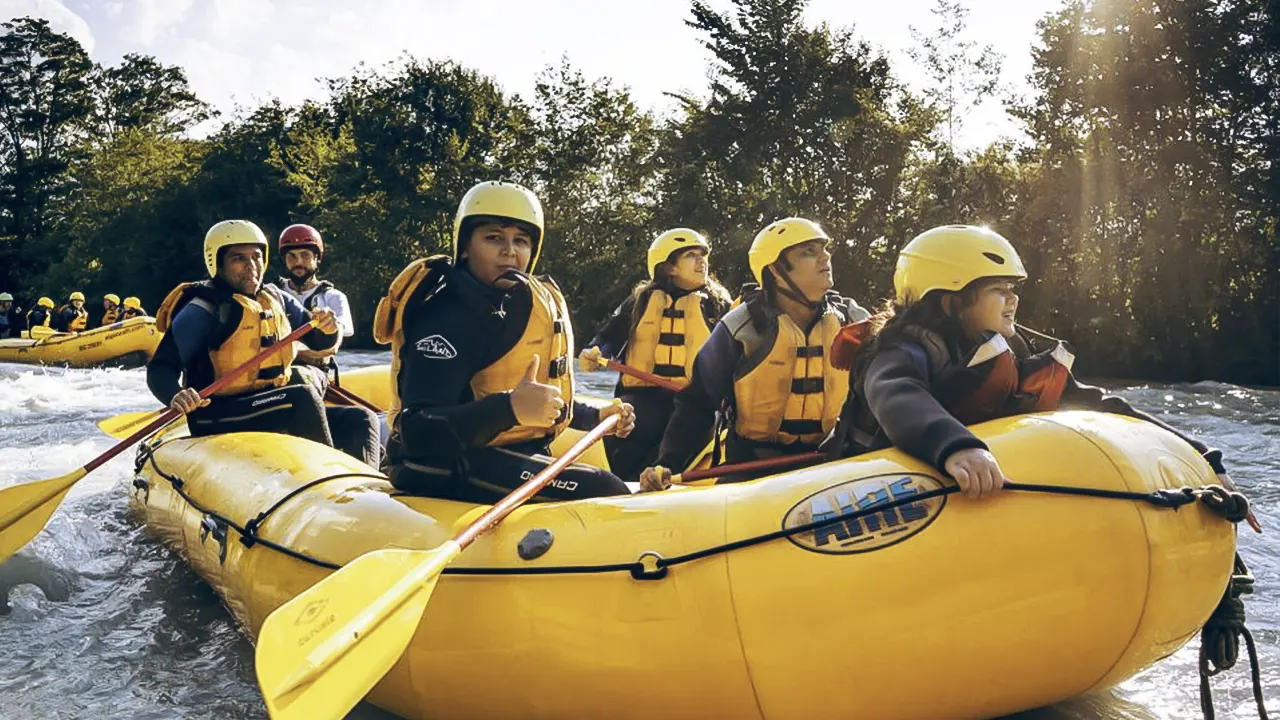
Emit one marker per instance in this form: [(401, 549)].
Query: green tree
[(961, 74), (45, 100), (141, 93)]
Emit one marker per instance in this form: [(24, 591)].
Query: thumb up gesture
[(533, 403)]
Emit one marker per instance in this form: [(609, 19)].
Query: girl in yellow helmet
[(948, 353), (482, 362), (658, 329)]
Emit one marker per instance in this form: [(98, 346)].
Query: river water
[(123, 629)]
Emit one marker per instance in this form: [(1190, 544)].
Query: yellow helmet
[(112, 297), (671, 241), (77, 295), (503, 200), (949, 258), (227, 233), (45, 302), (133, 302), (775, 239), (6, 297)]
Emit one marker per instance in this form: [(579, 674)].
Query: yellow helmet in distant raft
[(77, 295), (228, 233), (777, 238), (949, 258), (45, 302), (505, 201), (672, 241), (112, 297), (133, 303)]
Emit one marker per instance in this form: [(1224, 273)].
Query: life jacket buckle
[(558, 367)]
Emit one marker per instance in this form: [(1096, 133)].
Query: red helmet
[(301, 236)]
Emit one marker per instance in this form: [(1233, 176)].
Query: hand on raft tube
[(976, 471), (626, 423), (589, 361), (655, 478), (186, 400), (535, 404), (326, 321)]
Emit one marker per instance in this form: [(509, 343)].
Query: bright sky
[(242, 52)]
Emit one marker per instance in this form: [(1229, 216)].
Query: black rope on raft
[(1220, 639)]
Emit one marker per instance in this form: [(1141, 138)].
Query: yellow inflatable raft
[(129, 343), (937, 607)]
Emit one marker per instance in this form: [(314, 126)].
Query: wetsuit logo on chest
[(436, 348), (855, 525)]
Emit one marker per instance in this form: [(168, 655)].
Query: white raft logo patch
[(436, 348)]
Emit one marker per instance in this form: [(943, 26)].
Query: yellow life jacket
[(548, 334), (111, 316), (245, 327), (786, 388), (79, 322), (667, 338)]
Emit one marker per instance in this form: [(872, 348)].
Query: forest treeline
[(1145, 203)]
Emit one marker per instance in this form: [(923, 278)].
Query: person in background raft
[(302, 250), (132, 309), (659, 329), (9, 322), (213, 327), (768, 361), (110, 309), (948, 354), (72, 317), (482, 362), (41, 315)]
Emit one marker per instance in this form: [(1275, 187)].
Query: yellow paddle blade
[(25, 509), (320, 653), (122, 426)]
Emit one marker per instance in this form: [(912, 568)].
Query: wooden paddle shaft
[(495, 514), (751, 465), (217, 385), (664, 383)]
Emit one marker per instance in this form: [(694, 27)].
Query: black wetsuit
[(438, 445)]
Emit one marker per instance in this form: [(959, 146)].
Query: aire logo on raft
[(869, 531)]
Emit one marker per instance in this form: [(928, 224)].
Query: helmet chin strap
[(792, 291)]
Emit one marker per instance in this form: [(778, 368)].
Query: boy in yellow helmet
[(482, 362), (948, 354), (110, 309), (72, 317), (41, 315), (768, 362), (132, 309), (213, 327)]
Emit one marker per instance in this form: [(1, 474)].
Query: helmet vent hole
[(994, 258)]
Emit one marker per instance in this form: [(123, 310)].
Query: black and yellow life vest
[(39, 317), (667, 338), (111, 316), (77, 323), (548, 334), (245, 326), (786, 389)]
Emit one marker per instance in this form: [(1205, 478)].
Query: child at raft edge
[(482, 362), (948, 353), (658, 329)]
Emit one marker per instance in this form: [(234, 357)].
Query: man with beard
[(301, 251)]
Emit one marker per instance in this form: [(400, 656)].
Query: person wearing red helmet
[(301, 250)]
